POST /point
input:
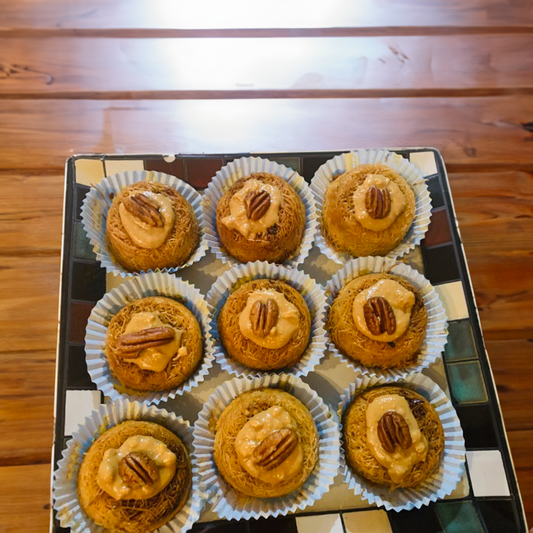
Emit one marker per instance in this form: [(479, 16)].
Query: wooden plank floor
[(129, 76)]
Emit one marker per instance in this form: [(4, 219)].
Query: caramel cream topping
[(238, 219), (155, 359), (398, 202), (282, 332), (400, 299), (142, 234), (109, 480), (400, 462), (253, 432)]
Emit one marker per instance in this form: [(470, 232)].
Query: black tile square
[(77, 374), (310, 164), (201, 170), (441, 264), (79, 316), (80, 192), (220, 527), (88, 282), (174, 168), (423, 519), (478, 426), (286, 524), (498, 516), (435, 191)]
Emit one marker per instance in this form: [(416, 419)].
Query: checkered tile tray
[(487, 498)]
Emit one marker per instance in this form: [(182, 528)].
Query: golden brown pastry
[(266, 443), (367, 211), (153, 344), (261, 218), (134, 478), (378, 320), (265, 325), (392, 436), (149, 226)]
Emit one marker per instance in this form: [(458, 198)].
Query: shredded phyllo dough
[(171, 313), (358, 454), (133, 516), (342, 230), (244, 350), (281, 241), (352, 343), (233, 418), (177, 248)]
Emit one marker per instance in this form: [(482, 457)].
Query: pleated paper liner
[(99, 199), (437, 322), (348, 161), (135, 288), (312, 293), (243, 167), (450, 472), (226, 503), (64, 488)]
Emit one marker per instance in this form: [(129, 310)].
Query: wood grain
[(25, 498), (29, 303), (470, 132), (495, 213), (134, 76), (199, 68), (510, 359), (161, 14), (520, 442)]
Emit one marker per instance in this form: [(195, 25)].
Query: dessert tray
[(487, 497)]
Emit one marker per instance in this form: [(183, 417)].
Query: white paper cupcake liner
[(348, 161), (226, 503), (99, 199), (64, 489), (240, 168), (312, 293), (150, 284), (437, 323), (452, 464)]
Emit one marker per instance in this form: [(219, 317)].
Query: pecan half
[(145, 209), (379, 316), (275, 448), (393, 431), (138, 469), (257, 204), (264, 316), (130, 344), (377, 202)]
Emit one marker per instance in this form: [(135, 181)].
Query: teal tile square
[(82, 247), (459, 517), (460, 345), (467, 383), (291, 162)]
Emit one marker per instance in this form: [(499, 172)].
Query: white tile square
[(116, 166), (453, 298), (487, 473), (367, 522), (425, 161), (89, 171), (79, 405), (327, 523)]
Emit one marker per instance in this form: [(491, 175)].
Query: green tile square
[(82, 247), (459, 517), (467, 383), (460, 345), (291, 162)]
